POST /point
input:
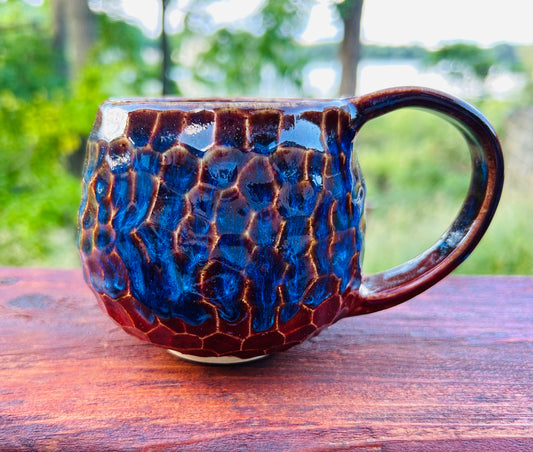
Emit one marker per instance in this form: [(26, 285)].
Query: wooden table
[(449, 370)]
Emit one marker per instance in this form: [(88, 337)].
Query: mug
[(226, 230)]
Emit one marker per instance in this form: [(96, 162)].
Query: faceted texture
[(222, 230)]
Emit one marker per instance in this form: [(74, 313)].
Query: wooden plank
[(451, 369)]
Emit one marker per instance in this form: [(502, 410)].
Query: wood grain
[(449, 370)]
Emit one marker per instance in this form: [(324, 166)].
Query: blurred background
[(59, 59)]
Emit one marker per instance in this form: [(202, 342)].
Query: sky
[(386, 22), (431, 22)]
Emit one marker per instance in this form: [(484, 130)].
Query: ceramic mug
[(227, 230)]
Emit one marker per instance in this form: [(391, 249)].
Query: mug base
[(222, 360)]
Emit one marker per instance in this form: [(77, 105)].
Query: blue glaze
[(257, 184), (164, 140), (315, 163), (114, 280), (343, 251), (101, 188), (183, 292), (263, 217), (343, 215), (120, 196), (157, 241), (222, 173), (191, 310), (133, 260), (103, 238), (88, 218), (85, 244), (198, 135), (265, 272), (181, 176), (224, 288), (346, 140), (265, 145), (152, 280), (259, 194), (294, 238), (321, 226), (333, 145), (138, 211), (140, 136), (336, 185), (195, 246), (95, 157), (321, 256), (288, 311), (263, 230), (234, 250), (199, 226), (202, 203), (296, 281), (232, 214), (287, 166), (146, 161), (318, 292), (302, 134), (296, 200), (169, 212), (119, 163)]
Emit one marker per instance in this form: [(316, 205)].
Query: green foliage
[(44, 121), (118, 66), (27, 59), (411, 52), (526, 62), (343, 7), (231, 58), (416, 167), (462, 58), (417, 171), (37, 195)]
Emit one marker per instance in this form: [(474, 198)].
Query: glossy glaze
[(235, 228), (226, 229)]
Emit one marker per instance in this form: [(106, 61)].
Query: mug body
[(222, 228)]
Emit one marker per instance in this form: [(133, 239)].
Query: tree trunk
[(351, 45), (165, 51), (81, 31), (74, 33), (59, 21)]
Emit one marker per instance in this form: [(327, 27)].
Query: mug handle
[(391, 287)]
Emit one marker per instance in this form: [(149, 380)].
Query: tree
[(468, 61), (461, 58), (165, 52), (236, 56), (44, 117), (350, 49), (74, 34), (233, 57)]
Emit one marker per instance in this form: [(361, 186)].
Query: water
[(322, 79)]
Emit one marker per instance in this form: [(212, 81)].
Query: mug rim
[(169, 102)]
